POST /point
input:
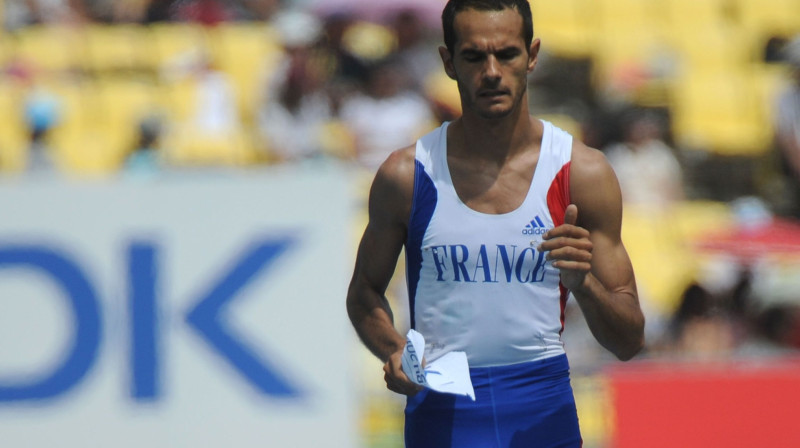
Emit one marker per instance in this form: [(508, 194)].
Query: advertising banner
[(204, 310)]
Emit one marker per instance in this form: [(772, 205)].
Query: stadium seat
[(5, 49), (126, 103), (111, 48), (720, 47), (90, 138), (186, 145), (13, 133), (660, 246), (563, 27), (176, 44), (686, 16), (51, 48), (246, 52), (767, 18), (631, 52), (770, 80), (720, 112)]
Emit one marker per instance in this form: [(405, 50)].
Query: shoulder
[(589, 164), (398, 168), (594, 187), (393, 187)]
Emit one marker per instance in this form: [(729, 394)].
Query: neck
[(499, 138)]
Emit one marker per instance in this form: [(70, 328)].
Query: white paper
[(448, 374)]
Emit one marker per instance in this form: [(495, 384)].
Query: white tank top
[(476, 281)]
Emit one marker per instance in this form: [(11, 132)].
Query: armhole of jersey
[(423, 204), (558, 196)]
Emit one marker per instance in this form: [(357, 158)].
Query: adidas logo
[(535, 227)]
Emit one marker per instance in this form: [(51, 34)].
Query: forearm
[(373, 321), (614, 317)]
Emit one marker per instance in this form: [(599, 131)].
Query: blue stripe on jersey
[(422, 207)]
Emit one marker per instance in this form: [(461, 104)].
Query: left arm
[(594, 264)]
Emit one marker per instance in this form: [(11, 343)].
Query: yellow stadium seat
[(176, 43), (766, 18), (629, 46), (687, 16), (720, 112), (5, 48), (126, 103), (770, 80), (51, 48), (722, 47), (186, 145), (563, 26), (13, 132), (118, 47), (178, 99), (660, 246), (246, 52), (94, 134)]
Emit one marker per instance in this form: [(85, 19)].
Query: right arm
[(369, 310)]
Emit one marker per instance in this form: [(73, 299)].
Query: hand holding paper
[(448, 374)]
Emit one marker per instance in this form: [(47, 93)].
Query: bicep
[(389, 207), (377, 255), (597, 194)]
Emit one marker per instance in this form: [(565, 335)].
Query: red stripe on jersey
[(558, 198)]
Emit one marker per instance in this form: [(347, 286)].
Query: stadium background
[(114, 98)]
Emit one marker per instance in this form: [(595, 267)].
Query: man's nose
[(492, 68)]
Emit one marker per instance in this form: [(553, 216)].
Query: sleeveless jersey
[(476, 281)]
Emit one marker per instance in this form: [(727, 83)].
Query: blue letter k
[(206, 318)]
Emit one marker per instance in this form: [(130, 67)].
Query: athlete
[(501, 215)]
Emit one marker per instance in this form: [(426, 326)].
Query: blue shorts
[(528, 405)]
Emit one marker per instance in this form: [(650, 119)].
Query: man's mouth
[(492, 93)]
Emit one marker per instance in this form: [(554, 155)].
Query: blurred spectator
[(787, 131), (212, 125), (349, 72), (699, 329), (207, 12), (42, 114), (20, 13), (415, 51), (216, 111), (387, 116), (145, 160), (778, 326), (295, 108), (648, 171)]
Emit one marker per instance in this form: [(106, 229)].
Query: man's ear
[(447, 61), (533, 54)]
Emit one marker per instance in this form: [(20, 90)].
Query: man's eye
[(507, 55)]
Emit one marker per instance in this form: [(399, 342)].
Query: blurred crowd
[(322, 83), (21, 13), (339, 86)]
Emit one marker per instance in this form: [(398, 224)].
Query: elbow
[(634, 343), (627, 352), (354, 310)]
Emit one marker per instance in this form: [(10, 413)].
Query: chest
[(489, 189)]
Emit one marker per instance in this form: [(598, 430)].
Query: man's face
[(490, 61)]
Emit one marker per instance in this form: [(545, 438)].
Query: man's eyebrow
[(507, 50), (472, 51)]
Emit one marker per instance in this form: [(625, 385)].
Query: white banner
[(193, 311)]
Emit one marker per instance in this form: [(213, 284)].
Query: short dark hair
[(453, 7)]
